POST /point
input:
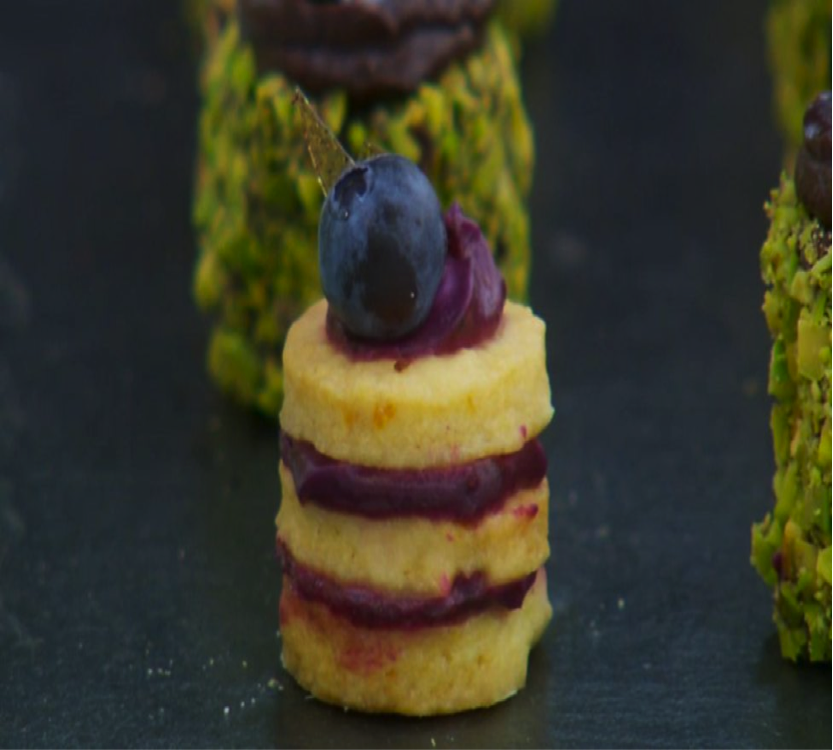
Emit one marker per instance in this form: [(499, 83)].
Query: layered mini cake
[(414, 513), (791, 546), (434, 81)]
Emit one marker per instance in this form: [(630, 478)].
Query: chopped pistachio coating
[(791, 546), (798, 37), (257, 198)]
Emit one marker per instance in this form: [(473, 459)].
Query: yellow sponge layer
[(416, 555), (433, 670), (436, 411)]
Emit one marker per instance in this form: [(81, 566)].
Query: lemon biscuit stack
[(413, 523)]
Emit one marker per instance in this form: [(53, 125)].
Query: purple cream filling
[(464, 493), (466, 311), (365, 607)]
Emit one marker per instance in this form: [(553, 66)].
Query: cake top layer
[(812, 167), (371, 48), (437, 411)]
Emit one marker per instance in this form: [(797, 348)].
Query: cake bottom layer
[(421, 671)]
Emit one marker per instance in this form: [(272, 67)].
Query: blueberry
[(817, 127), (381, 247), (812, 165)]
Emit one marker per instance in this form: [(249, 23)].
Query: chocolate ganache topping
[(466, 311), (464, 493), (366, 607), (812, 166), (370, 48)]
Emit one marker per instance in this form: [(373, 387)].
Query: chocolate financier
[(523, 17), (369, 49)]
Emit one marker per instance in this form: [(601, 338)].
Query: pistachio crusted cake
[(791, 546), (434, 81), (414, 513)]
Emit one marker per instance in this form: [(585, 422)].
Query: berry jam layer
[(464, 493), (370, 49), (419, 556), (467, 308), (438, 411), (363, 606)]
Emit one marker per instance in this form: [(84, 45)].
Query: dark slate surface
[(138, 586)]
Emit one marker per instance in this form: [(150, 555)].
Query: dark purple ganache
[(366, 607), (464, 493), (370, 48), (467, 308)]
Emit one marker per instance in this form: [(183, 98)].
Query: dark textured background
[(138, 586)]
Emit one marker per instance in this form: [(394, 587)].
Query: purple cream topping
[(464, 493), (364, 607), (466, 311)]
